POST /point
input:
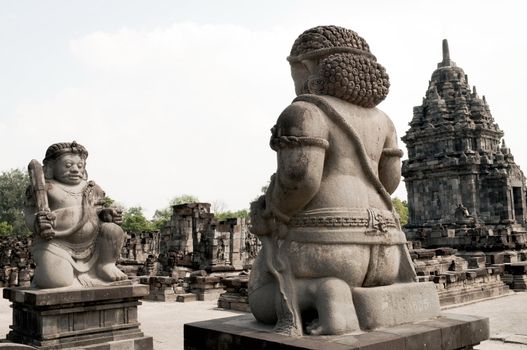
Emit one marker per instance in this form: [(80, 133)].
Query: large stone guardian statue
[(326, 221), (77, 240)]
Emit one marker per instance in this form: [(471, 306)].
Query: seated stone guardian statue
[(326, 221), (77, 240)]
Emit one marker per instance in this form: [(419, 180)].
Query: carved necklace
[(75, 194)]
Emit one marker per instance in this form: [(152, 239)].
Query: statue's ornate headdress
[(348, 70), (57, 149)]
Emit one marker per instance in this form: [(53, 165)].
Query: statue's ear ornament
[(315, 85)]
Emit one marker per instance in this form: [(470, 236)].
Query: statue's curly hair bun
[(348, 70), (57, 149)]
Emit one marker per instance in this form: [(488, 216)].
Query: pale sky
[(177, 97)]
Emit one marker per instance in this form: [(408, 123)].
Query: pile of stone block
[(206, 287), (161, 288), (515, 275), (16, 264), (459, 277), (235, 296)]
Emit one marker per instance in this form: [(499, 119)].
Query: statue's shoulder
[(382, 120), (95, 190), (94, 185), (302, 118)]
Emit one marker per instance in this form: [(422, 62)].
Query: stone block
[(89, 317), (519, 268), (186, 297), (519, 282), (240, 307), (211, 294), (396, 304)]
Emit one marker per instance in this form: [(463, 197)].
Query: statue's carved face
[(301, 72), (69, 169)]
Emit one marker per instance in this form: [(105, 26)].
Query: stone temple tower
[(464, 188)]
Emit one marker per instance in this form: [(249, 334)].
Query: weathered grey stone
[(235, 295), (93, 317), (139, 253), (77, 239), (464, 188), (382, 307), (16, 263), (194, 238), (447, 332), (459, 277), (327, 222), (14, 346)]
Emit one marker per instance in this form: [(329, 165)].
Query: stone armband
[(392, 152), (279, 142)]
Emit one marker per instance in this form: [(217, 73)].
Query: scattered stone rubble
[(139, 254), (515, 275), (235, 295), (458, 280)]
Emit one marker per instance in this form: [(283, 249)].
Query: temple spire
[(446, 51), (446, 56)]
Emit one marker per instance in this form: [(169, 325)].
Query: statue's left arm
[(390, 162), (106, 214), (300, 139)]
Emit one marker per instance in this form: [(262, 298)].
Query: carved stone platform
[(101, 318), (446, 332)]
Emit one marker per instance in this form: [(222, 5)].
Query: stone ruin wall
[(16, 265), (194, 238)]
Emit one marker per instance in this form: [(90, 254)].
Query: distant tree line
[(13, 184)]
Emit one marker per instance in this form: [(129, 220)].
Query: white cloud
[(187, 108), (182, 109)]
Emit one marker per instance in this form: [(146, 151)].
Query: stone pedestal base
[(90, 318), (446, 332)]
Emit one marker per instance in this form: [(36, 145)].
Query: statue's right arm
[(30, 209), (300, 139), (40, 223), (390, 161)]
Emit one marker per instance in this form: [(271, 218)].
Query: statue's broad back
[(326, 221)]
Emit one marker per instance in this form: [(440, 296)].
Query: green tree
[(184, 198), (5, 228), (162, 216), (243, 213), (401, 207), (108, 202), (135, 221), (13, 184)]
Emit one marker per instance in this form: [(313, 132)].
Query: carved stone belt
[(375, 219), (345, 225)]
